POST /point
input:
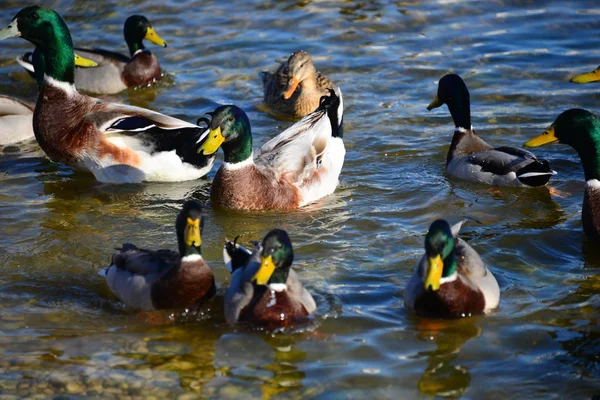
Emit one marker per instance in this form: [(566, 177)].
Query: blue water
[(62, 332)]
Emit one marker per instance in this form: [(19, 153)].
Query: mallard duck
[(73, 129), (451, 279), (472, 159), (593, 76), (151, 280), (115, 71), (264, 290), (300, 165), (580, 129), (294, 90), (16, 116)]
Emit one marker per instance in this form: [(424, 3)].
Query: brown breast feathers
[(272, 309), (453, 299)]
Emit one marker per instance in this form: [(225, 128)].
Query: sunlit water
[(62, 332)]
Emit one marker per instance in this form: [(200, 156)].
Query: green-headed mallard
[(593, 76), (294, 90), (472, 159), (115, 71), (72, 128), (150, 280), (580, 129), (300, 165), (264, 290), (451, 279)]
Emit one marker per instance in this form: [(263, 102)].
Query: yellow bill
[(434, 273), (291, 87), (191, 234), (435, 104), (547, 137), (265, 271), (593, 76), (214, 140), (84, 62), (152, 36)]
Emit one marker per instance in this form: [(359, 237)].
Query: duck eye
[(35, 16), (230, 119)]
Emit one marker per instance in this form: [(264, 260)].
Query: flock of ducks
[(120, 143)]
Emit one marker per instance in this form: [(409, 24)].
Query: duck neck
[(55, 58), (186, 251), (239, 149), (449, 273), (588, 148), (134, 46), (460, 109)]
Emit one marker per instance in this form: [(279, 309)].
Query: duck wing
[(102, 56), (506, 159), (297, 152), (154, 263), (297, 291)]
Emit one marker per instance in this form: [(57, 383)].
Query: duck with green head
[(264, 290), (300, 165), (471, 158), (70, 127), (295, 89), (160, 279), (116, 72), (451, 279), (580, 129)]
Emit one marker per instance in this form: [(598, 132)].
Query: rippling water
[(61, 331)]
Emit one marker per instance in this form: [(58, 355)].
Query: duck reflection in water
[(443, 376)]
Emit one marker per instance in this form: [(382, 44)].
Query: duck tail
[(333, 105), (235, 256), (536, 173)]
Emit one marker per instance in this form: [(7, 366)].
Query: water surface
[(62, 332)]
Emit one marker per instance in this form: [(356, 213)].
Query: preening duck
[(580, 129), (451, 279), (264, 290), (150, 280), (300, 165), (471, 158), (73, 129), (115, 71), (295, 89)]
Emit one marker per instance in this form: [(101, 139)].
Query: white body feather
[(16, 121)]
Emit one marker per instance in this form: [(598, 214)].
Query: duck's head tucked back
[(439, 249), (453, 92), (300, 68), (188, 225), (136, 29), (48, 32), (579, 129), (276, 259), (229, 129)]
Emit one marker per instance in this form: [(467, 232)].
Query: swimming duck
[(593, 76), (264, 290), (151, 280), (580, 129), (16, 116), (117, 143), (117, 72), (451, 279), (300, 165), (295, 89), (472, 159)]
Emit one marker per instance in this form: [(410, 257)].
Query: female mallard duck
[(71, 128), (117, 72), (300, 165), (451, 279), (472, 159), (295, 89), (593, 76), (580, 129), (264, 290), (151, 280)]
